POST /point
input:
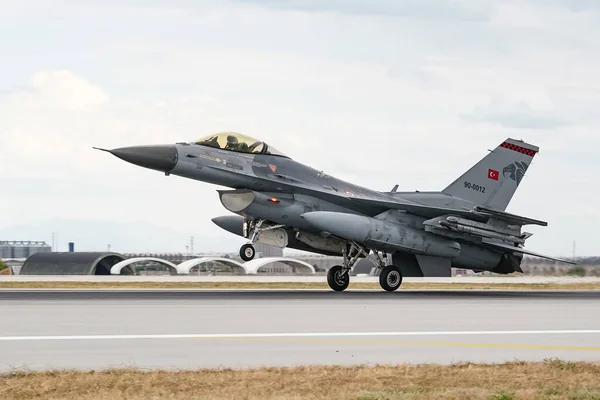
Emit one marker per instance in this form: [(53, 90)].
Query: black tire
[(390, 278), (337, 279), (247, 252)]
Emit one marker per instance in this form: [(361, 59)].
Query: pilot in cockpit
[(235, 145)]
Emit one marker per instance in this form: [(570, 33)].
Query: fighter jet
[(282, 202)]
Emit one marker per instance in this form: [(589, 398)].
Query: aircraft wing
[(479, 213), (522, 250), (418, 209)]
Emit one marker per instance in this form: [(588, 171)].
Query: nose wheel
[(247, 252), (252, 230)]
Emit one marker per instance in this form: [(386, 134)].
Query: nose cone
[(160, 157)]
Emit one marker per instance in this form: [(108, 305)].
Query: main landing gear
[(338, 276), (252, 229), (390, 278)]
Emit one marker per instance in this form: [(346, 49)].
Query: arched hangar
[(92, 263), (185, 267), (253, 267), (126, 267), (67, 263)]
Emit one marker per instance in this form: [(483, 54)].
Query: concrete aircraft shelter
[(254, 266), (90, 263), (76, 263), (185, 267), (124, 267)]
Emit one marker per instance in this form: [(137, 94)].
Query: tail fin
[(494, 180)]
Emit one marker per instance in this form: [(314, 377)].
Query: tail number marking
[(472, 186)]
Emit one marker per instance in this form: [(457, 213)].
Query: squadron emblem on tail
[(515, 171)]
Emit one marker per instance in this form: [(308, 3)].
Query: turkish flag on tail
[(493, 174)]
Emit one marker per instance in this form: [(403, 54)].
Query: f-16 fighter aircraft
[(282, 202)]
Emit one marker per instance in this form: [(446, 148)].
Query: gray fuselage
[(301, 189)]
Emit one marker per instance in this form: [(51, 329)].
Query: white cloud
[(62, 89), (461, 9), (517, 115), (372, 93), (30, 116)]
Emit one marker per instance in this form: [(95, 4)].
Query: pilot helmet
[(231, 139)]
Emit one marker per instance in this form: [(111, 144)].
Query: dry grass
[(553, 379), (293, 285)]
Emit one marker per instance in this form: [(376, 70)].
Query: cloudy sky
[(408, 92)]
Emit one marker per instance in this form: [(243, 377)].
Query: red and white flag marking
[(493, 174)]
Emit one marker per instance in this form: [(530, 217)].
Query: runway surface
[(294, 279), (43, 329)]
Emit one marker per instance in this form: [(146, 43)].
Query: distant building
[(22, 249)]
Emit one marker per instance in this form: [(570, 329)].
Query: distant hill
[(123, 237)]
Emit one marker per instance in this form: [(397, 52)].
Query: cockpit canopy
[(237, 142)]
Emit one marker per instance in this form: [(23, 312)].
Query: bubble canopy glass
[(237, 142)]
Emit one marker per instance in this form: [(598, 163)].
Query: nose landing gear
[(247, 252), (252, 229)]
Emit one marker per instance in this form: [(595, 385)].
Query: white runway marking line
[(295, 335)]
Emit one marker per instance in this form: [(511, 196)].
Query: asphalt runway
[(189, 329)]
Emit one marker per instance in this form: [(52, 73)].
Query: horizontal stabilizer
[(523, 251), (508, 217)]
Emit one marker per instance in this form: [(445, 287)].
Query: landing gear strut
[(338, 277), (252, 230)]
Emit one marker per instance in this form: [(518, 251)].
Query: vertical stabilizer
[(493, 181)]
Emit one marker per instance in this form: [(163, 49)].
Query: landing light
[(274, 200)]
